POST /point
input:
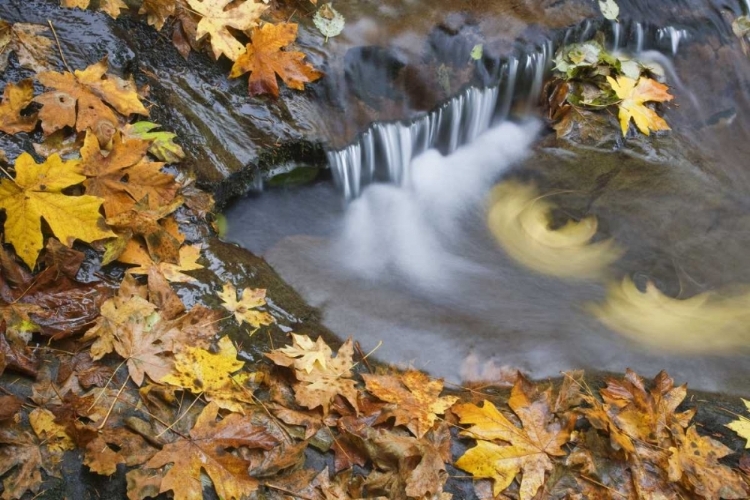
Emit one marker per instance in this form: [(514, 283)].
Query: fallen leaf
[(157, 12), (111, 7), (634, 95), (105, 449), (217, 18), (185, 29), (162, 145), (213, 375), (264, 59), (137, 254), (610, 9), (22, 457), (529, 447), (520, 220), (9, 407), (123, 175), (36, 193), (414, 399), (742, 425), (207, 449), (142, 484), (33, 50), (303, 354), (82, 99), (328, 21), (15, 99), (52, 434), (244, 309)]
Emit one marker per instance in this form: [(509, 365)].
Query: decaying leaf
[(708, 322), (207, 449), (157, 11), (217, 18), (36, 193), (328, 21), (610, 9), (162, 143), (82, 99), (137, 254), (742, 425), (111, 7), (526, 450), (520, 220), (244, 309), (634, 95), (414, 399), (105, 449), (50, 432), (33, 50), (22, 458), (15, 99), (264, 59)]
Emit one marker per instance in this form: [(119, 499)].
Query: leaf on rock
[(244, 309), (157, 12), (264, 59), (22, 457), (111, 7), (36, 193), (217, 18), (634, 95), (124, 175), (213, 375), (33, 50), (82, 100), (414, 399), (15, 99), (208, 449), (304, 354), (51, 433), (742, 425), (162, 145), (528, 449), (137, 254)]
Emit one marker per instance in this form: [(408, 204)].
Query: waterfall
[(384, 151)]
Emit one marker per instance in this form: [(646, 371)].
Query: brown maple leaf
[(82, 99), (264, 59), (32, 49), (111, 7), (22, 458), (414, 399), (124, 175), (157, 12), (207, 449), (528, 449), (15, 99), (105, 449)]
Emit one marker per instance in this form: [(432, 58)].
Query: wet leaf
[(520, 220), (244, 308), (36, 193), (217, 18), (111, 7), (742, 425), (207, 449), (162, 145), (50, 432), (157, 11), (328, 21), (22, 458), (264, 59), (33, 50), (528, 449), (82, 99), (9, 408), (634, 95), (610, 9), (414, 399), (105, 449), (476, 52), (15, 99)]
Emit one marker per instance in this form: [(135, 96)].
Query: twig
[(364, 358), (362, 355), (59, 47), (284, 490), (8, 175), (603, 485), (169, 427), (112, 407)]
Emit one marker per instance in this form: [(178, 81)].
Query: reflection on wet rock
[(520, 220)]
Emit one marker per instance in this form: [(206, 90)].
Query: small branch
[(59, 47)]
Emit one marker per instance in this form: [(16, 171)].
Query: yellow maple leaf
[(742, 425), (634, 95), (53, 434), (33, 50), (529, 448), (203, 372), (36, 193), (244, 309), (303, 353), (15, 99), (217, 18), (111, 7)]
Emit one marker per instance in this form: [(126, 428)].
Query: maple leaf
[(529, 448), (321, 376), (265, 59), (217, 19), (414, 399), (22, 457), (111, 7), (203, 372), (742, 425), (105, 449), (136, 254), (634, 95), (15, 99), (123, 175), (36, 193), (207, 449), (694, 461), (157, 12), (80, 97), (32, 49), (50, 432), (244, 309)]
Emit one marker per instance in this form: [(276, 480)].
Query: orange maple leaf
[(265, 59), (634, 95)]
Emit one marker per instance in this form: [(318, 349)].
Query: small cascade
[(384, 151)]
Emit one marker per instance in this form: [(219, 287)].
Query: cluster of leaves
[(235, 30), (588, 80)]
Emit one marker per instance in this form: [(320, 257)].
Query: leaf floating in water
[(476, 52), (329, 21), (704, 323), (610, 9), (520, 221)]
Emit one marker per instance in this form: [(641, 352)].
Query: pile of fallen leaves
[(588, 81)]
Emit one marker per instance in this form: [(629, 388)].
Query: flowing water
[(396, 247)]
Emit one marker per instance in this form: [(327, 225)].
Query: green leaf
[(476, 52), (162, 143)]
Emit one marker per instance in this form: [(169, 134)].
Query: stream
[(395, 250)]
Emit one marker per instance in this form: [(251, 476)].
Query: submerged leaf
[(329, 21)]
